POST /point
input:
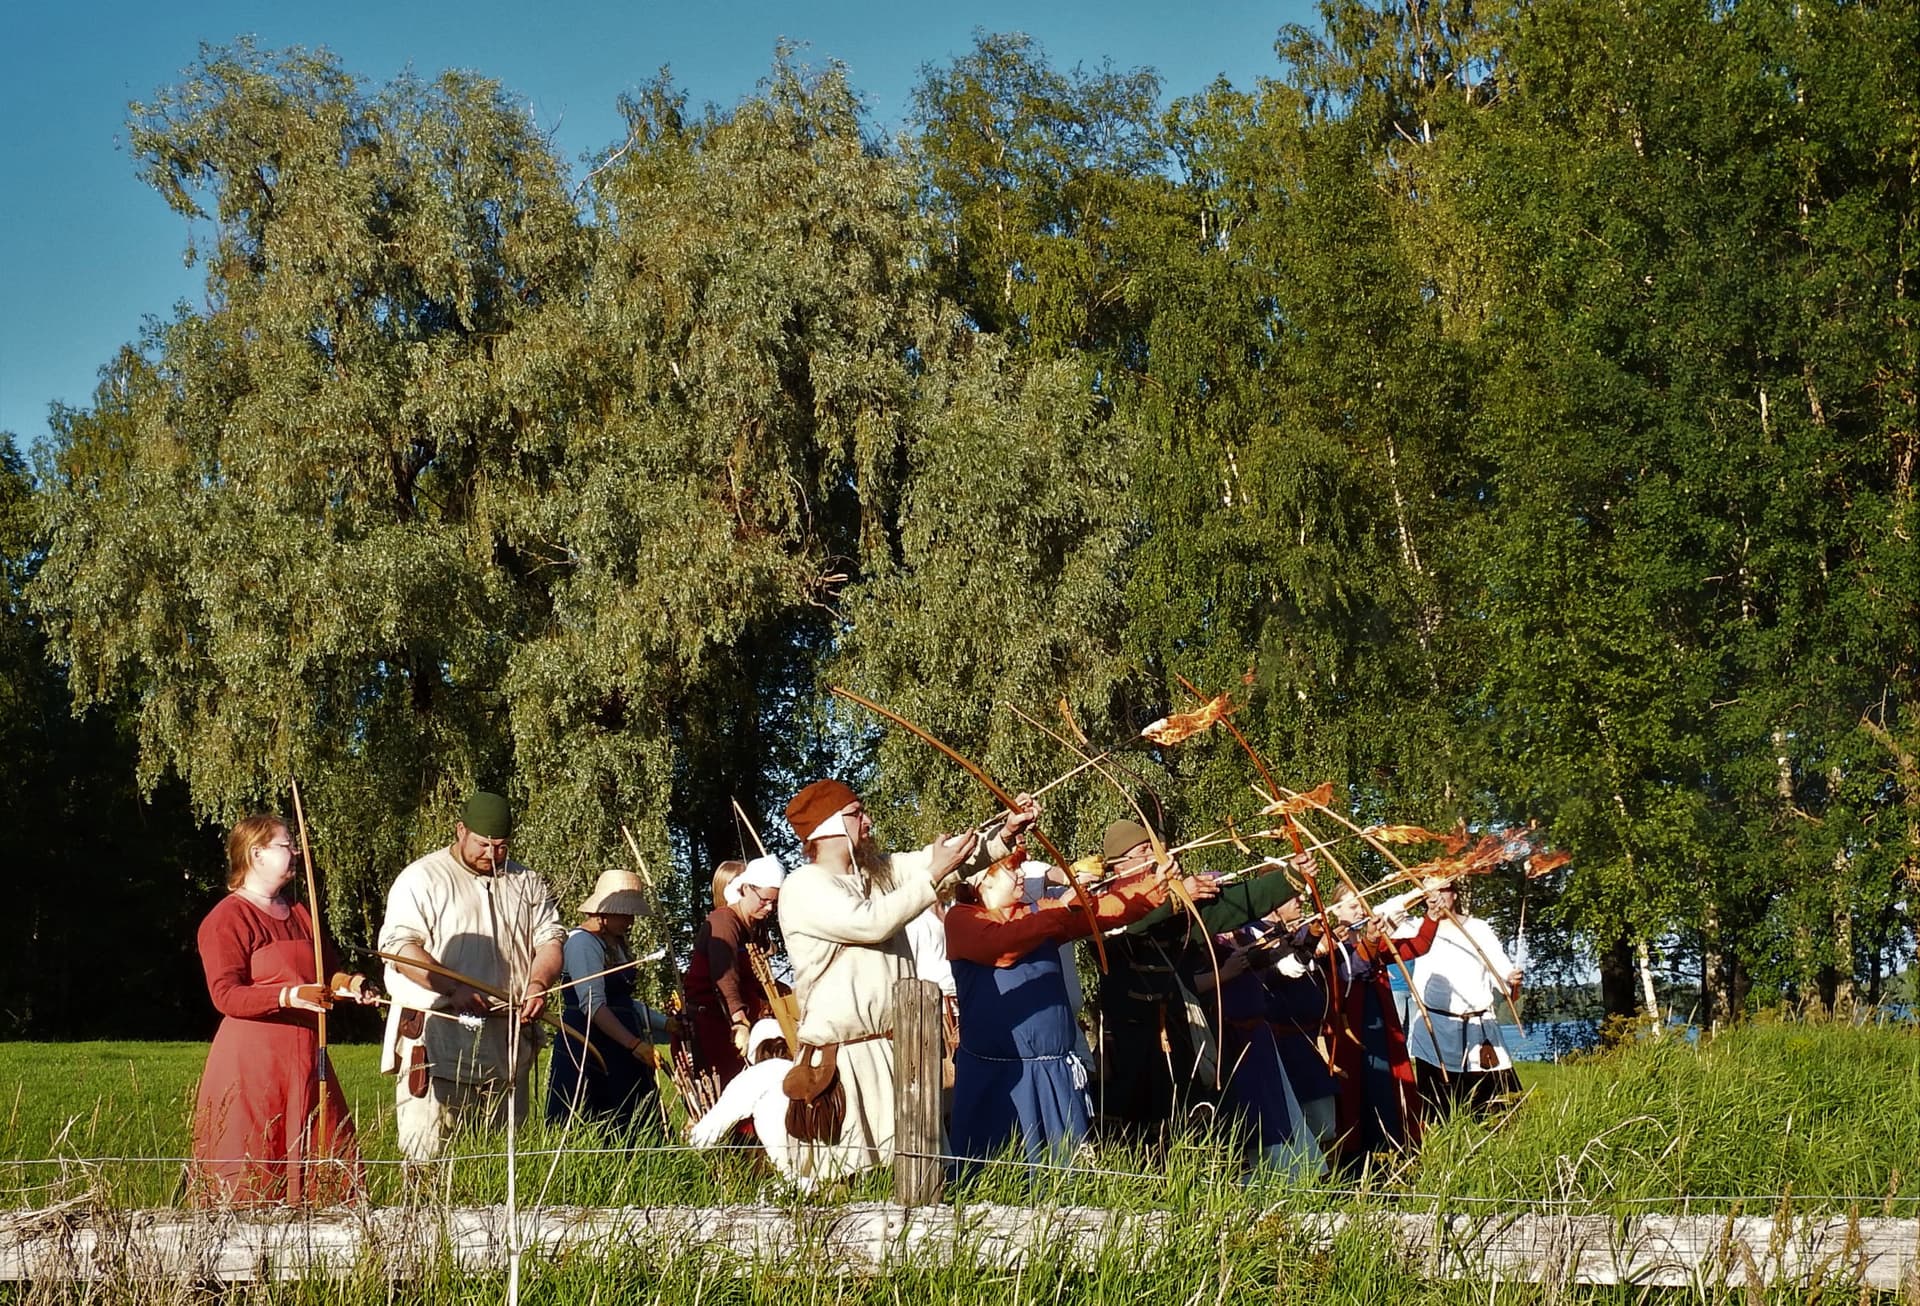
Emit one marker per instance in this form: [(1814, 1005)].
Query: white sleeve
[(1035, 887), (409, 909), (815, 903), (927, 937), (544, 924), (406, 919), (1496, 952)]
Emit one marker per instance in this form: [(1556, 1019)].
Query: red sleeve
[(225, 954), (1123, 904), (1419, 943), (975, 935)]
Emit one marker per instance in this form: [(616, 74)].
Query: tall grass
[(1830, 1115)]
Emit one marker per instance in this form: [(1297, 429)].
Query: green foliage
[(1524, 432), (1697, 639), (279, 528), (1013, 527), (90, 869), (1036, 177), (449, 487)]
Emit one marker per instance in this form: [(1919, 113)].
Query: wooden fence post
[(919, 1177)]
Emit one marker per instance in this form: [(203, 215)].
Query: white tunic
[(848, 947), (927, 941), (484, 926), (1459, 993)]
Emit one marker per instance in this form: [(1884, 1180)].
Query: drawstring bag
[(816, 1102)]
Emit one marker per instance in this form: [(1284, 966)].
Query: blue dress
[(1257, 1090), (620, 1091), (1297, 1009), (1015, 1075)]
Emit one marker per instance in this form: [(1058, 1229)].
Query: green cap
[(488, 816), (1121, 838)]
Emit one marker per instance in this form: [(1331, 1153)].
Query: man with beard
[(844, 916), (472, 909)]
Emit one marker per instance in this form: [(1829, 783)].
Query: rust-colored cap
[(814, 804)]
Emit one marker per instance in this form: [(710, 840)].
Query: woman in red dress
[(269, 1126)]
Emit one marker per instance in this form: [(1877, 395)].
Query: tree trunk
[(1839, 994), (1713, 1006), (1807, 973), (1616, 978), (1643, 962)]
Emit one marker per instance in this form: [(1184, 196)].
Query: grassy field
[(1828, 1115)]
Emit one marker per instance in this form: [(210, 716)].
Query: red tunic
[(1345, 1022), (1001, 936), (256, 1135), (720, 983)]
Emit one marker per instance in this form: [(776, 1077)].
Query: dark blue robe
[(1015, 1078)]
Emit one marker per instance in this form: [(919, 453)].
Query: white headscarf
[(765, 1030), (761, 873)]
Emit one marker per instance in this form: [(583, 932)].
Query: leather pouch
[(816, 1103), (413, 1023), (417, 1074)]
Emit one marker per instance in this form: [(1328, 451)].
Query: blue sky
[(90, 251)]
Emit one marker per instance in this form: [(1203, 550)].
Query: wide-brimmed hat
[(617, 893)]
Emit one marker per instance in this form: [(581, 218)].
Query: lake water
[(1549, 1040), (1543, 1040)]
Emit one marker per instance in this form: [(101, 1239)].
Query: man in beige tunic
[(844, 916), (468, 908)]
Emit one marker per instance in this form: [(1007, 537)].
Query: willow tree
[(74, 827), (741, 378), (1035, 176), (447, 484), (275, 530), (1002, 583)]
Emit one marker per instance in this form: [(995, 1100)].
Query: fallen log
[(78, 1242)]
